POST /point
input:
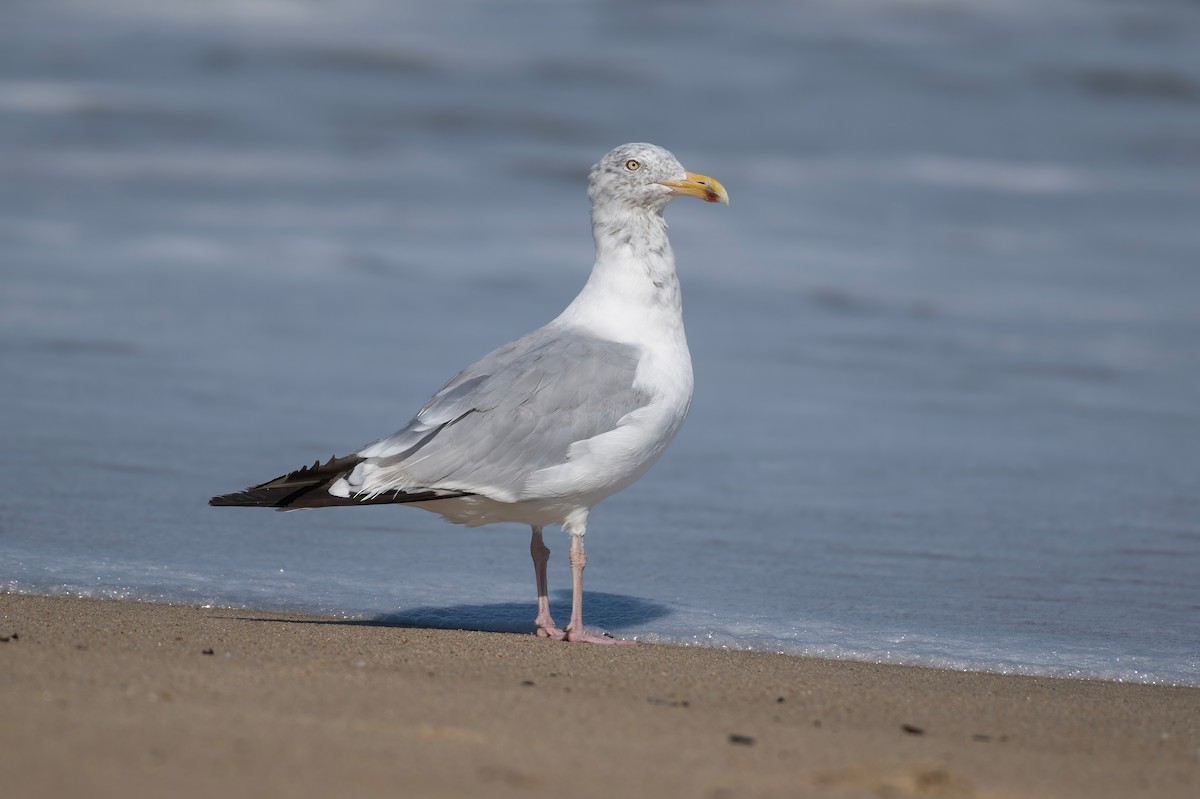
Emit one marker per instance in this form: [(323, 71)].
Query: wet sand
[(106, 698)]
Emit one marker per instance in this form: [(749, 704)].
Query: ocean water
[(946, 337)]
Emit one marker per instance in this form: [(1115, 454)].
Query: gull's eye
[(632, 165)]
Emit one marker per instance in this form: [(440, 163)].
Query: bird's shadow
[(613, 612), (603, 610)]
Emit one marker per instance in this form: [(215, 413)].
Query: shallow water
[(946, 337)]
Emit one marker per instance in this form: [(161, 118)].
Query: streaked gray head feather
[(632, 175)]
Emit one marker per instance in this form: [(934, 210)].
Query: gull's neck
[(633, 285), (622, 230)]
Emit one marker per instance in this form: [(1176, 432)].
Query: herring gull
[(543, 428)]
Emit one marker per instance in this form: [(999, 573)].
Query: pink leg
[(546, 628), (575, 630)]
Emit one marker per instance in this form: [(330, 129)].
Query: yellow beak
[(708, 189)]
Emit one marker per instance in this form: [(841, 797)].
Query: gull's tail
[(308, 487)]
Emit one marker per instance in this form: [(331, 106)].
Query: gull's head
[(647, 176)]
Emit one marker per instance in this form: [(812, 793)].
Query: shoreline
[(111, 697), (947, 664)]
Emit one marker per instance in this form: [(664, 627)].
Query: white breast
[(623, 302)]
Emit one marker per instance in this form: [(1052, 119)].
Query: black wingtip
[(294, 489), (307, 487), (230, 501)]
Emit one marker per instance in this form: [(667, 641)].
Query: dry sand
[(103, 698)]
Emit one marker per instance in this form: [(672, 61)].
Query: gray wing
[(510, 414)]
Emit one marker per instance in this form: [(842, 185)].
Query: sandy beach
[(107, 698)]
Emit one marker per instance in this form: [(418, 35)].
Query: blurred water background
[(946, 337)]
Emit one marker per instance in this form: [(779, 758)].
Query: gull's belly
[(597, 468), (600, 466)]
